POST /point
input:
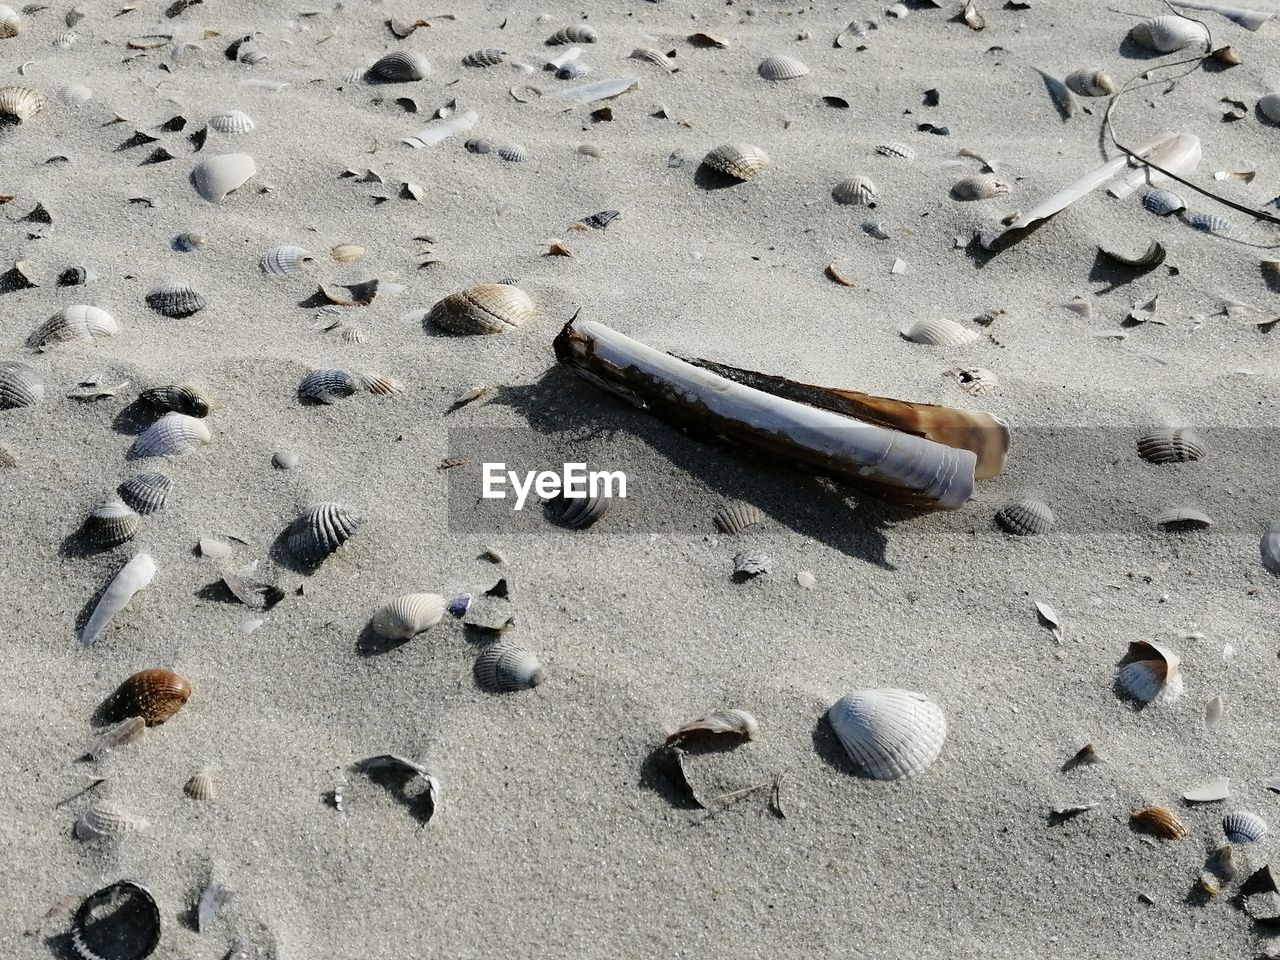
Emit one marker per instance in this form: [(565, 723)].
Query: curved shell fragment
[(218, 176), (133, 576)]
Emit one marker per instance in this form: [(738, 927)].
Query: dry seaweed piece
[(775, 796), (399, 776)]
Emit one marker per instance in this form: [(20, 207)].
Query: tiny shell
[(1270, 548), (1243, 827), (1091, 83), (488, 57), (1213, 711), (111, 524), (738, 160), (1169, 33), (736, 517), (320, 530), (20, 385), (223, 174), (976, 382), (119, 922), (737, 724), (572, 71), (77, 322), (1219, 870), (403, 66), (172, 435), (889, 733), (346, 252), (894, 149), (1025, 517), (1184, 518), (20, 103), (513, 152), (201, 786), (1150, 673), (484, 309), (1163, 202), (578, 33), (1085, 756), (979, 186), (1159, 821), (133, 576), (656, 57), (105, 819), (184, 398), (1170, 444), (232, 122), (155, 695), (507, 666), (577, 513), (176, 299), (856, 190), (750, 563), (406, 617), (146, 492), (939, 332), (781, 67), (284, 260), (75, 94)]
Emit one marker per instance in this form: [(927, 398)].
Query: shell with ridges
[(155, 695), (232, 122), (577, 33), (895, 149), (856, 190), (513, 153), (782, 67), (1244, 827), (146, 493), (406, 617), (979, 186), (1162, 202), (1209, 223), (119, 921), (77, 322), (1091, 83), (20, 103), (10, 22), (1150, 673), (1184, 518), (201, 786), (578, 513), (20, 385), (330, 383), (488, 57), (889, 733), (483, 309), (733, 518), (1170, 444), (1169, 33), (402, 66), (111, 524), (320, 530), (75, 94), (939, 332), (105, 819), (507, 666), (1025, 517), (284, 260), (742, 161), (218, 176), (1160, 821), (184, 398), (176, 299), (172, 435)]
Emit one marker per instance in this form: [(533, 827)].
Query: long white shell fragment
[(1216, 789), (133, 576), (219, 176), (1249, 19), (599, 90), (889, 734), (459, 123)]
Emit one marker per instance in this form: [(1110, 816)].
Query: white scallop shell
[(284, 260), (781, 67), (172, 435), (77, 322), (889, 733), (1151, 674), (408, 616), (507, 666), (895, 149), (939, 332), (1091, 83), (855, 190), (232, 122), (75, 93), (320, 530), (20, 385), (21, 103), (223, 174), (979, 186), (1244, 827), (742, 161), (1169, 33), (106, 819)]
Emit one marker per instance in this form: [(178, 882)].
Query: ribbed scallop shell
[(741, 161), (20, 385), (20, 103), (507, 666), (513, 152), (77, 322), (889, 733), (111, 524), (578, 513), (736, 517), (321, 530), (488, 57), (1170, 444), (10, 22), (201, 786), (1025, 517), (146, 493), (232, 122), (1161, 821), (487, 308), (572, 71), (939, 332), (979, 186), (172, 435), (1150, 673), (1244, 827), (183, 398), (221, 175), (401, 67), (407, 616), (1269, 106), (1209, 223), (578, 33), (75, 94), (284, 260), (330, 383), (782, 67), (895, 149), (106, 819), (1162, 202), (1091, 83), (855, 190), (176, 299), (1169, 33), (155, 695)]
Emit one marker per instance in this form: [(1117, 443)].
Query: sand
[(557, 835)]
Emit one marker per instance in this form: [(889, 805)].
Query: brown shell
[(155, 695), (201, 786), (487, 308), (1159, 821)]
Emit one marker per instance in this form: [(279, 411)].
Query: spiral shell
[(111, 524), (1244, 827), (895, 149), (232, 122), (577, 33), (1091, 83), (119, 922), (488, 57), (1159, 821), (1150, 673), (172, 435), (513, 153), (284, 260), (1169, 33), (201, 786), (1162, 202), (105, 819), (979, 186), (487, 308), (20, 104), (77, 322), (1269, 106), (781, 67), (741, 161), (176, 299), (320, 530), (223, 174), (939, 332), (736, 517), (155, 695), (858, 191), (507, 666), (401, 67), (1025, 517), (10, 22), (1171, 444), (20, 385), (330, 383), (1209, 223), (406, 617), (146, 493), (889, 733)]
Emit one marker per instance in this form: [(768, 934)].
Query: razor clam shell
[(320, 530), (1171, 444), (513, 153), (782, 67), (77, 322), (979, 186), (405, 617), (201, 786), (1025, 517), (1090, 83), (488, 57), (939, 332), (217, 176), (176, 299), (1159, 821), (894, 149), (232, 122), (172, 435), (402, 66), (146, 493), (733, 518), (1151, 258), (889, 733), (858, 191), (737, 724), (1162, 202), (20, 385), (1150, 673), (111, 524), (1270, 548), (104, 820), (507, 666), (20, 103), (133, 576), (1169, 33), (1184, 518), (1244, 827), (484, 309), (283, 260), (118, 922), (182, 398), (742, 161), (577, 33)]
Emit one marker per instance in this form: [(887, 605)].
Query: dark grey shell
[(327, 385), (20, 385), (401, 67), (507, 666), (119, 922), (577, 513), (577, 33), (1025, 517), (321, 530), (1171, 445), (183, 398), (175, 300), (111, 524), (488, 57), (146, 492)]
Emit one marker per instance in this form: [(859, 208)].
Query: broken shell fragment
[(176, 299), (1159, 821), (938, 332), (1171, 444), (506, 666), (730, 724), (399, 774), (116, 735), (284, 260), (1085, 756), (736, 517), (1269, 106), (146, 492), (223, 174), (1025, 517), (859, 191), (1217, 789), (781, 67), (484, 309), (741, 161), (1184, 518), (320, 530), (172, 435), (155, 695), (402, 66), (1270, 548), (979, 186), (1151, 674), (111, 524), (232, 122), (1243, 827), (119, 922), (1169, 33), (184, 398), (201, 786), (1091, 83), (406, 617), (78, 322), (346, 252), (105, 819), (20, 104), (976, 382), (132, 577), (20, 385), (1208, 223), (1219, 870), (889, 733), (1150, 259)]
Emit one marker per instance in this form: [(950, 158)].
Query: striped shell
[(741, 161), (578, 513), (1169, 33), (856, 190), (77, 322), (320, 530), (889, 733), (1025, 517), (578, 33), (20, 385), (1243, 827), (232, 121), (572, 71), (1269, 106), (146, 493), (1209, 223), (330, 383), (1091, 83), (283, 260), (20, 103), (183, 398), (401, 67), (507, 666), (175, 299), (201, 786), (488, 57), (1150, 673), (118, 922), (223, 174), (736, 517), (1160, 821), (737, 724), (894, 149), (1170, 444), (939, 332), (155, 695), (111, 524), (1162, 202), (106, 819), (781, 67), (10, 22), (487, 308), (513, 152), (1269, 547), (75, 94), (406, 617), (172, 435), (979, 186), (656, 57)]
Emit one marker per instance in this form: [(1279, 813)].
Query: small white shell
[(979, 186), (939, 332), (1091, 83), (232, 122), (201, 786), (741, 161), (737, 724), (781, 67), (66, 40), (21, 103), (75, 94), (889, 733), (320, 530), (77, 322), (223, 174), (507, 666), (401, 67), (1025, 517), (172, 435), (1184, 518), (1209, 223), (895, 149), (106, 819), (1150, 673), (406, 617), (284, 260), (1169, 33), (10, 22), (20, 385), (856, 190)]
